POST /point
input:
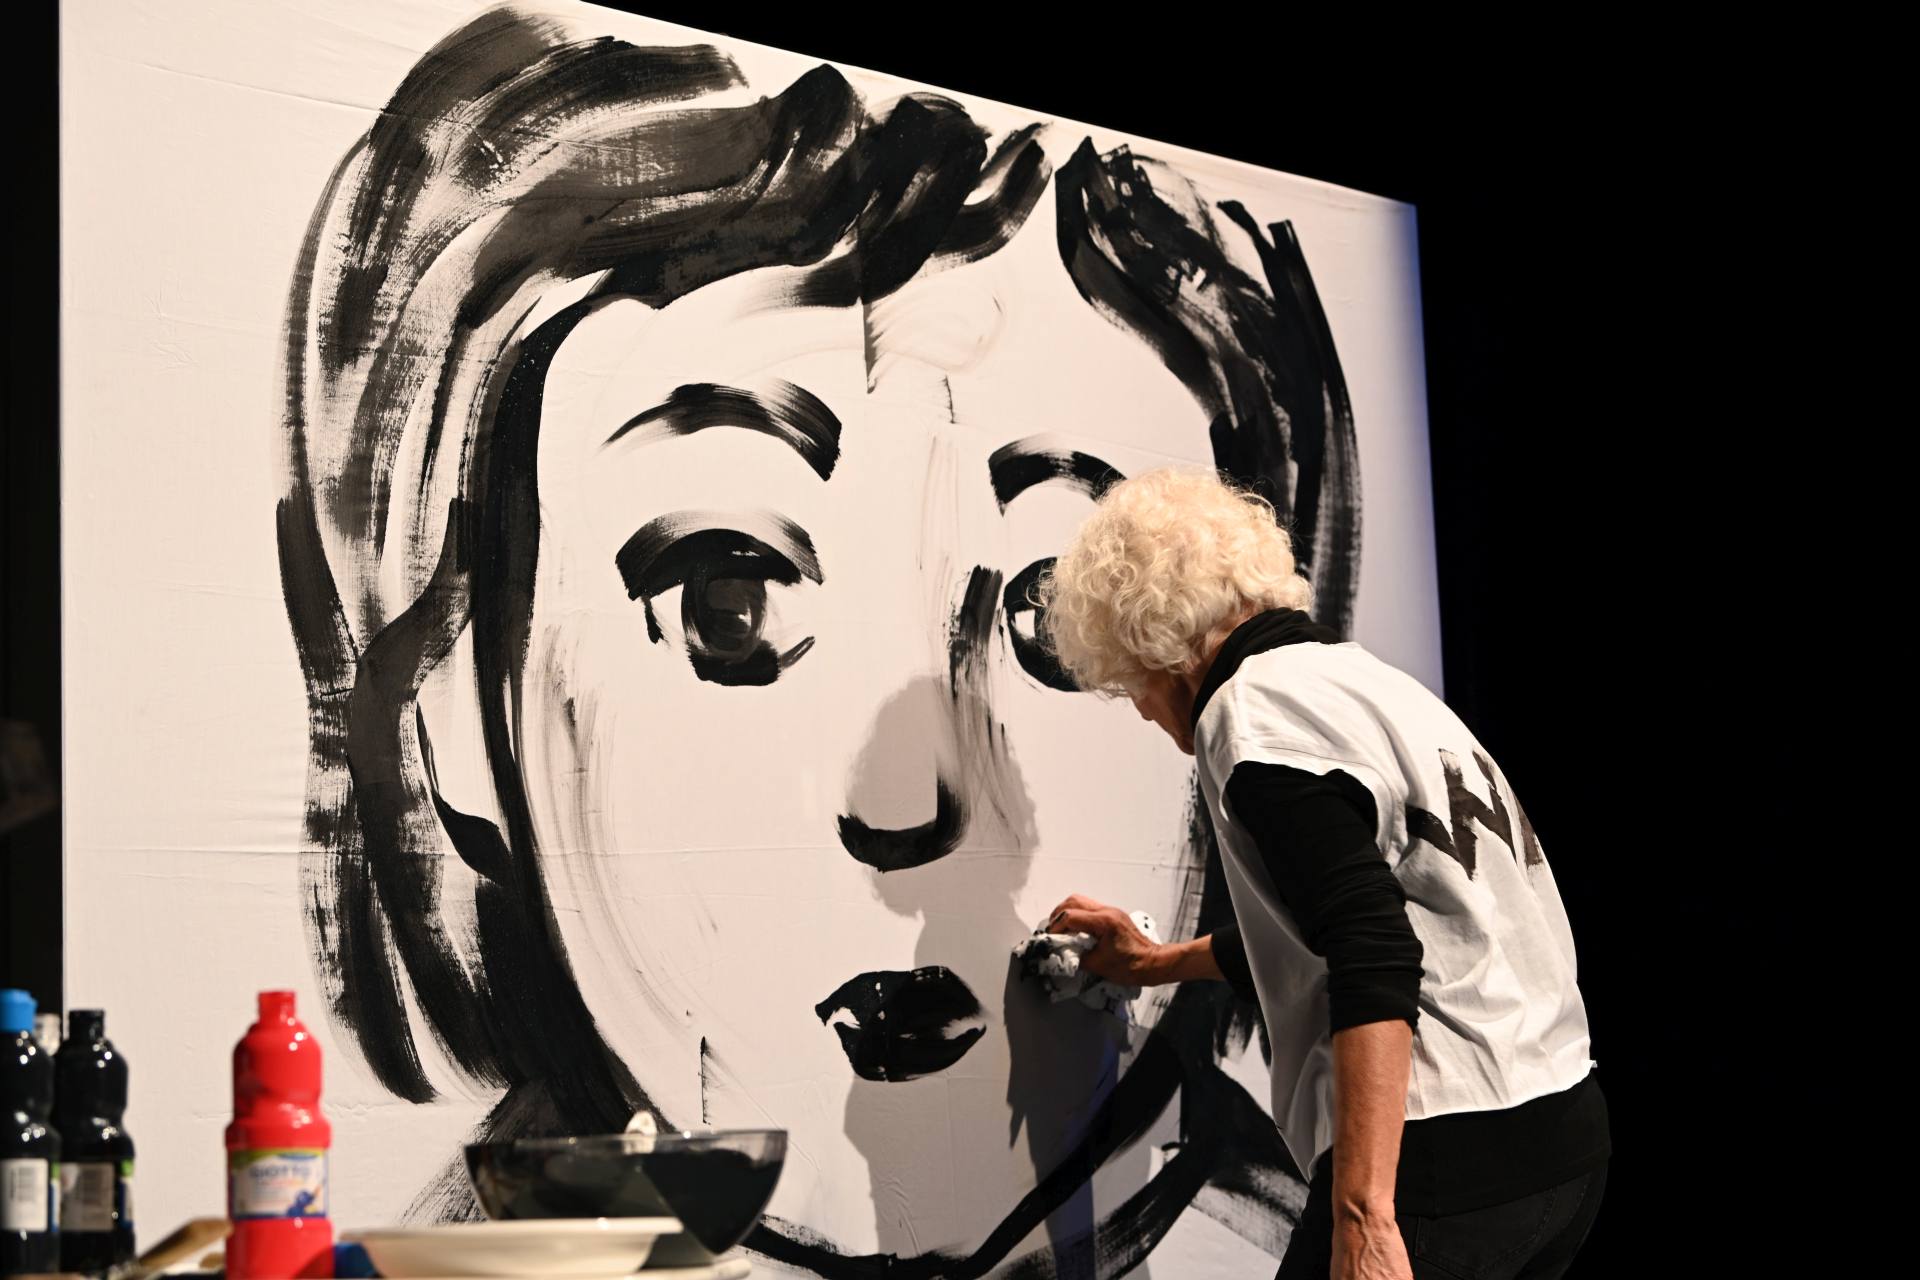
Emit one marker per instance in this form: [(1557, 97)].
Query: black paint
[(1026, 623), (790, 413), (687, 546), (512, 136), (1225, 1138), (477, 841), (716, 1184), (1017, 467), (1257, 355), (723, 604), (903, 1025), (1457, 838), (706, 1081), (886, 849)]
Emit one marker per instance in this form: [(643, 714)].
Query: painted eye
[(726, 617), (1025, 621), (732, 591)]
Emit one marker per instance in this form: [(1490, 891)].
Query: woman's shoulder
[(1297, 692)]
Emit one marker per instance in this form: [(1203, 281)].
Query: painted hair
[(521, 177)]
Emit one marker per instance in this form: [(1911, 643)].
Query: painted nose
[(921, 718), (897, 848)]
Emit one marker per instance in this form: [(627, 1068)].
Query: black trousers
[(1532, 1238)]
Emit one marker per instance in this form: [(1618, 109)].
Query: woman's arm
[(1370, 1067), (1123, 954), (1184, 962), (1315, 836)]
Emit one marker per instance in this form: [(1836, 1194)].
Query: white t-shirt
[(1501, 1019)]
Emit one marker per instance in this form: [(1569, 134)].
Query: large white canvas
[(685, 868)]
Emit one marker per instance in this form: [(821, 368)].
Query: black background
[(1564, 259)]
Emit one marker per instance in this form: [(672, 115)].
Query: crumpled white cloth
[(1054, 960)]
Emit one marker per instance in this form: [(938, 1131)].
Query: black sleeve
[(1230, 953), (1316, 837)]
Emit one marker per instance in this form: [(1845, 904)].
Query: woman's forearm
[(1184, 962), (1370, 1067)]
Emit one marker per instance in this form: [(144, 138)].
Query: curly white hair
[(1169, 561)]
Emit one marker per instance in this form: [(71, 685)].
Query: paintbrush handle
[(196, 1236)]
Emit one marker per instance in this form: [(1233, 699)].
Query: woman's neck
[(1210, 649)]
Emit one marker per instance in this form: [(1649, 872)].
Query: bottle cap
[(16, 1011), (86, 1024), (276, 1006)]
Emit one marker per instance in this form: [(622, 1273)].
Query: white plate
[(570, 1248)]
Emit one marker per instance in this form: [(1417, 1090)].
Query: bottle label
[(126, 1195), (87, 1191), (29, 1196), (281, 1182)]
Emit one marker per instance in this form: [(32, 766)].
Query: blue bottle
[(96, 1152), (29, 1148)]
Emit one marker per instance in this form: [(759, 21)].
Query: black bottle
[(96, 1166), (29, 1149)]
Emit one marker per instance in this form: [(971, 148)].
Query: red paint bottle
[(277, 1151)]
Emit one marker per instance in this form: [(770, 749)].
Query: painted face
[(799, 773)]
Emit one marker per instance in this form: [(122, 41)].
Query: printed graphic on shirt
[(1458, 840)]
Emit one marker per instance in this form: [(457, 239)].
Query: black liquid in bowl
[(718, 1184)]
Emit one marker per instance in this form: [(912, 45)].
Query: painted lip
[(903, 1024)]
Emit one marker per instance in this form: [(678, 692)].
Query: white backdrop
[(694, 884)]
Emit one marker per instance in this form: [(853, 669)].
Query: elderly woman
[(1395, 917)]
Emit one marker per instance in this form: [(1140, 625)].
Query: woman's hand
[(1121, 952), (1371, 1249)]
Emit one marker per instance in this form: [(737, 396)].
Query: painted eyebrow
[(666, 550), (787, 412), (1018, 467)]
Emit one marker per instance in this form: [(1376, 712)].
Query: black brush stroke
[(789, 413), (1456, 837), (985, 226), (969, 632), (1257, 356), (897, 849), (1031, 650), (695, 550), (706, 1066), (477, 841), (674, 549), (1017, 467)]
